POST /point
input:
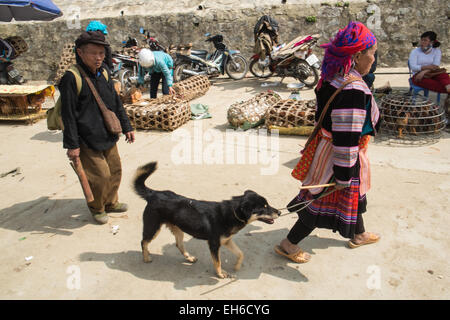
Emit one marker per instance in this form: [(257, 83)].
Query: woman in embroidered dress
[(341, 155)]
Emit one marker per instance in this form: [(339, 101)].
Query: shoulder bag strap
[(324, 111), (100, 102)]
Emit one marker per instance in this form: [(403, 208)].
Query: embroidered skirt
[(337, 211)]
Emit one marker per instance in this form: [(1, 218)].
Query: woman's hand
[(129, 137), (419, 76), (430, 67), (172, 91)]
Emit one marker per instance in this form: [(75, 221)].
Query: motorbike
[(294, 59), (10, 75), (200, 62), (126, 66), (152, 42)]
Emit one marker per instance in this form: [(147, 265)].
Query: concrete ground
[(43, 218)]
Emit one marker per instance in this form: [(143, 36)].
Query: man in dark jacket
[(85, 134)]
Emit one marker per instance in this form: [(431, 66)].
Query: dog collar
[(235, 215)]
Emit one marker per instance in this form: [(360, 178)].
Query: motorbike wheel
[(307, 74), (258, 70), (238, 69), (178, 74), (124, 78)]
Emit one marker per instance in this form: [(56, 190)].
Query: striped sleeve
[(347, 121)]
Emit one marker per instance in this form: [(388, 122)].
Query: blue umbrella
[(22, 10)]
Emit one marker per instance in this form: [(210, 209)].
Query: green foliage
[(311, 19), (342, 4)]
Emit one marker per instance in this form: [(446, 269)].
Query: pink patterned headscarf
[(338, 53)]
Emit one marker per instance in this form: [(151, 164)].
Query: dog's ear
[(245, 207)]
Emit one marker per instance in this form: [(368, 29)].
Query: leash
[(305, 203)]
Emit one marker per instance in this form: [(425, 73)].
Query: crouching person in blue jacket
[(160, 66)]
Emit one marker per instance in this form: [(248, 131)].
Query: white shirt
[(418, 58)]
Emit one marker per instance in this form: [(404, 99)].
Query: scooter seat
[(199, 52)]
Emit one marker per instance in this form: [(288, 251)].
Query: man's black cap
[(96, 37)]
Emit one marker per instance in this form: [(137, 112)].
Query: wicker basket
[(291, 113), (406, 115), (22, 105), (192, 87), (7, 106), (164, 113), (250, 113), (67, 59)]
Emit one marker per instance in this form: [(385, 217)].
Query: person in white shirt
[(424, 62)]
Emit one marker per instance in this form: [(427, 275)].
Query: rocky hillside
[(396, 23)]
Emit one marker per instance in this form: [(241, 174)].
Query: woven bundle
[(411, 115), (192, 87), (128, 52), (164, 113), (250, 113), (291, 113), (184, 49), (132, 96), (67, 59)]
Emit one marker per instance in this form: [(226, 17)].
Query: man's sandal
[(372, 239), (297, 257)]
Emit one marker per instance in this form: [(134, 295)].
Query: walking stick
[(318, 186), (78, 168)]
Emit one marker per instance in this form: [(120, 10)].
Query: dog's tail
[(142, 173)]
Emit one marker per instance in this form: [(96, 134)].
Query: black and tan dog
[(215, 222)]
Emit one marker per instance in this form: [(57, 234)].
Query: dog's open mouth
[(266, 220)]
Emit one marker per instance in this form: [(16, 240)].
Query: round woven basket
[(404, 116), (250, 113), (192, 87), (291, 113), (164, 113), (67, 59)]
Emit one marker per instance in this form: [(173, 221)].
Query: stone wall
[(396, 23)]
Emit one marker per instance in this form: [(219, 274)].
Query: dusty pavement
[(43, 215)]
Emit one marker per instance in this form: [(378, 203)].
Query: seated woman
[(424, 62)]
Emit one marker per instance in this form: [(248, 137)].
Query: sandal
[(297, 257), (372, 239)]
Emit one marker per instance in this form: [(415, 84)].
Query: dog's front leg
[(214, 247)]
